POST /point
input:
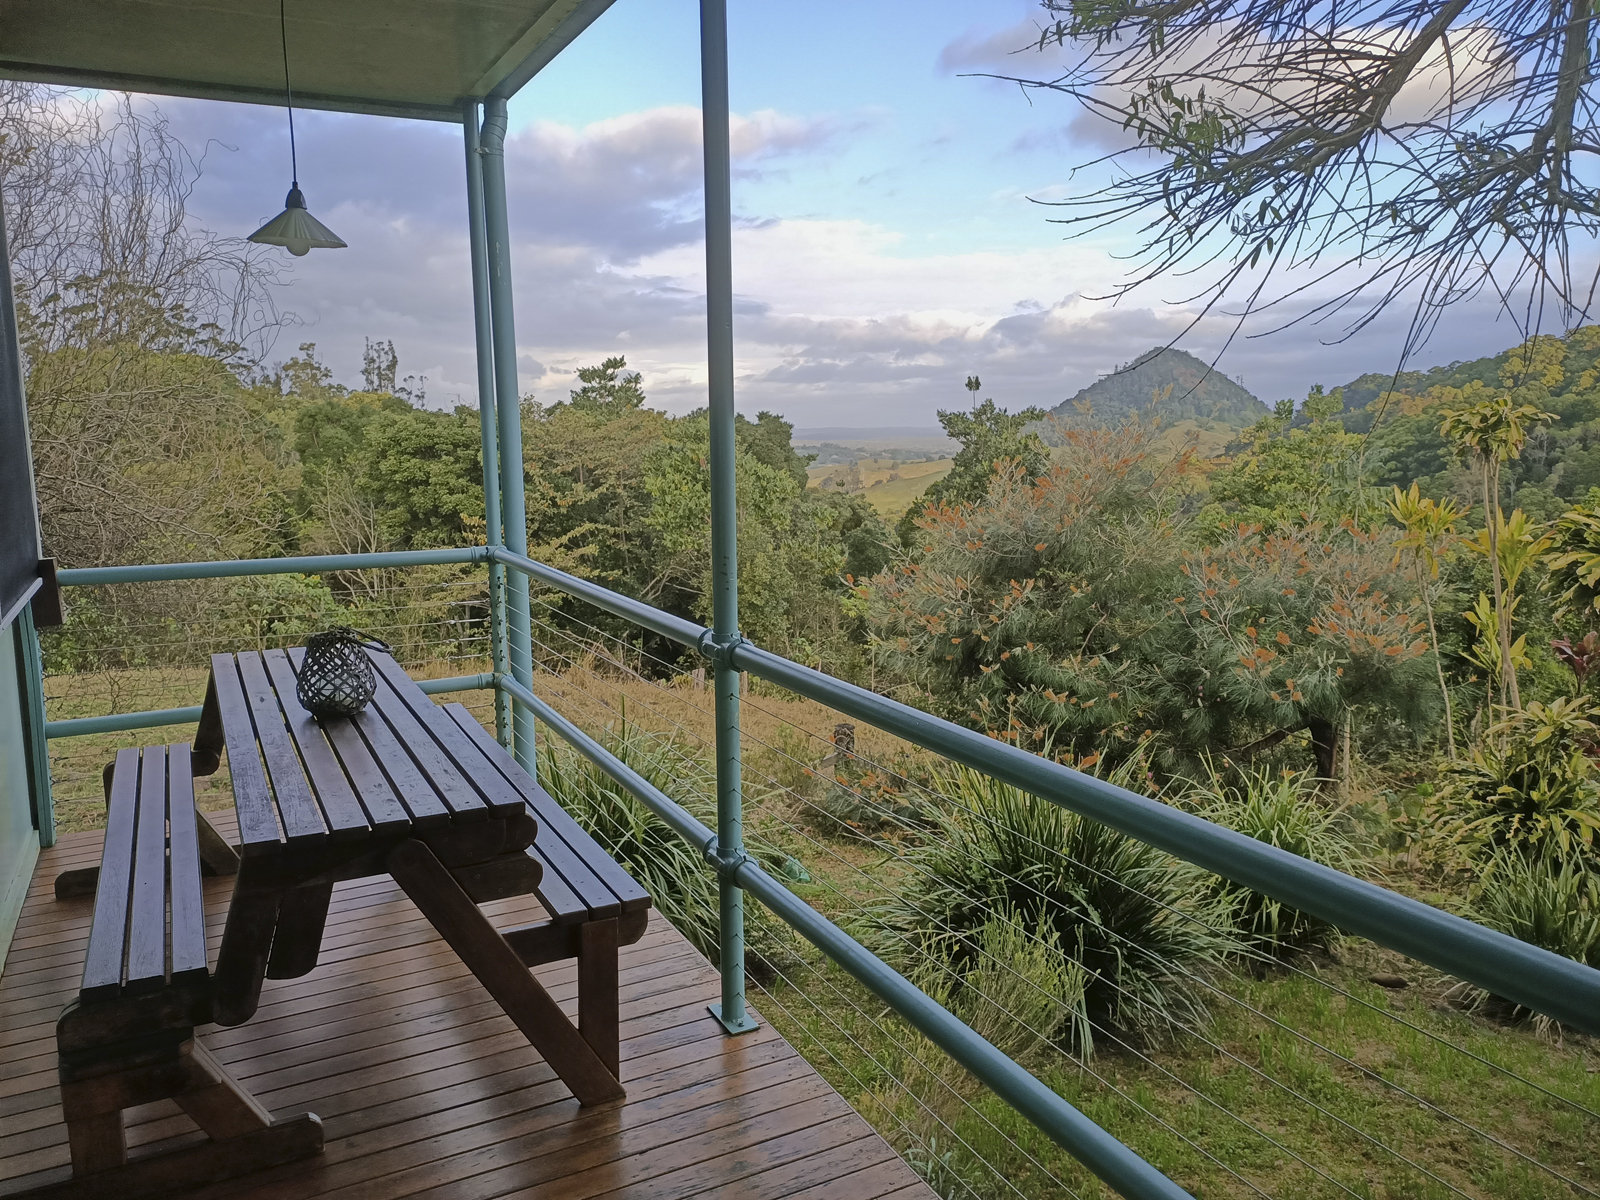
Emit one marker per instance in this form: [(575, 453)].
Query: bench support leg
[(243, 1135), (98, 1143), (598, 1018), (496, 965), (215, 1099), (216, 855)]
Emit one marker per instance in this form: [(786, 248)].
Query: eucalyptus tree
[(1328, 159)]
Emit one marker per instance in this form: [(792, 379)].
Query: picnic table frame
[(404, 788)]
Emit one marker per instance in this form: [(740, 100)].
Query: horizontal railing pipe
[(640, 613), (121, 722), (1515, 970), (312, 564), (457, 683), (1096, 1149)]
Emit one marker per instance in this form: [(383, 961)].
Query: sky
[(889, 240)]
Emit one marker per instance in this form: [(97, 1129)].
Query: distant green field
[(890, 497)]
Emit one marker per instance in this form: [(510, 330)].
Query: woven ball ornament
[(336, 678)]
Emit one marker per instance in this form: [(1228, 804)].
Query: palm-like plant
[(1533, 789), (1430, 533), (1492, 432)]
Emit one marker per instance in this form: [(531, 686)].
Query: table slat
[(408, 784), (461, 797), (503, 799), (147, 924), (343, 811), (252, 798), (555, 820), (302, 819)]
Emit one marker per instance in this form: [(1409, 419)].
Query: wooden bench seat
[(128, 1038), (595, 906)]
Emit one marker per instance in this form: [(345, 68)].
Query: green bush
[(1531, 787), (680, 884), (1283, 811), (1121, 910)]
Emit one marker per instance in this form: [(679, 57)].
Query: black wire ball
[(336, 678)]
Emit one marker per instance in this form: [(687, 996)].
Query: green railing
[(1544, 982)]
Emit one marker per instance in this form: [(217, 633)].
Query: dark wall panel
[(19, 513)]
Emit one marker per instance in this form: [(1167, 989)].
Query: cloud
[(837, 321), (1012, 50)]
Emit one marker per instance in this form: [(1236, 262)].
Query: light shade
[(296, 230)]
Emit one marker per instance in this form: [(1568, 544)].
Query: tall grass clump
[(1283, 811), (1124, 913), (681, 885), (1551, 902)]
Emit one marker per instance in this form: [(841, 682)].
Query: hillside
[(1172, 383)]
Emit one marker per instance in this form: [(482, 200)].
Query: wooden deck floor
[(426, 1089)]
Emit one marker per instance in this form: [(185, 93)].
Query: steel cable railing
[(585, 652), (1558, 987)]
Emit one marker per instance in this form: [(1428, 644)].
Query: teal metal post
[(483, 327), (508, 404), (730, 851)]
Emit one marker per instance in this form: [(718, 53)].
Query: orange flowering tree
[(1075, 614)]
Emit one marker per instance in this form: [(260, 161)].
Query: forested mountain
[(1169, 382)]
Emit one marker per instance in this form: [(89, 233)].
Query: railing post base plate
[(748, 1025)]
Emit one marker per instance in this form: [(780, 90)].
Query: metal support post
[(508, 403), (724, 505), (488, 438), (30, 664)]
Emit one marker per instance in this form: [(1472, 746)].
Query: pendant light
[(295, 229)]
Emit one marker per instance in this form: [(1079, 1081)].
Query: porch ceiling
[(403, 58)]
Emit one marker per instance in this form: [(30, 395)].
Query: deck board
[(426, 1088)]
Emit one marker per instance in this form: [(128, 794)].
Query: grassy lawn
[(1293, 1089)]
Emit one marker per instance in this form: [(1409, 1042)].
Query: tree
[(608, 389), (1362, 150), (1071, 614), (102, 248), (1491, 433), (1291, 474), (1430, 532), (988, 435)]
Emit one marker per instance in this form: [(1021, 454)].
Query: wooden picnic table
[(415, 791)]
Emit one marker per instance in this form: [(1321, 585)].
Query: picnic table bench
[(407, 788)]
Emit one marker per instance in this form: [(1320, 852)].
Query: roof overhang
[(398, 58)]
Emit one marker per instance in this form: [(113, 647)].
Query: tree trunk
[(1438, 663), (1502, 619), (1324, 744)]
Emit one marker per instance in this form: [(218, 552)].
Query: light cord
[(288, 94)]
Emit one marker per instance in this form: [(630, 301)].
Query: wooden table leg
[(598, 1018), (246, 947), (216, 855), (487, 955), (301, 919)]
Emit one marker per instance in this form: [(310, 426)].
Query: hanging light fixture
[(295, 229)]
